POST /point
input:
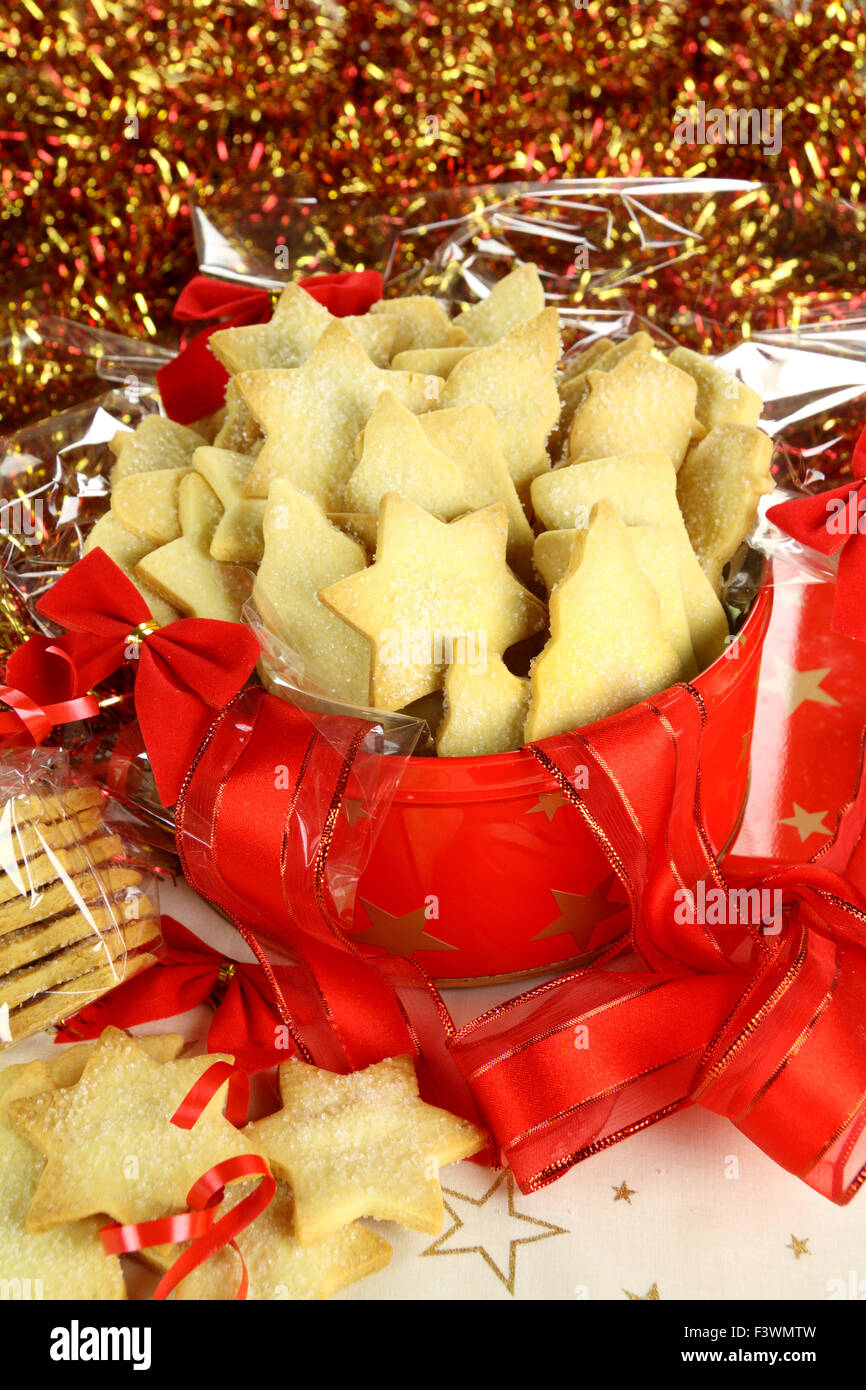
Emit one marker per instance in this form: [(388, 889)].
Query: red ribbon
[(186, 670), (199, 1225), (831, 522), (189, 973), (41, 693), (193, 384)]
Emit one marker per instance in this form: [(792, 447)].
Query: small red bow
[(42, 691), (189, 973), (193, 384), (831, 522), (187, 670)]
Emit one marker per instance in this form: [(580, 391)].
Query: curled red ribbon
[(43, 690), (833, 522)]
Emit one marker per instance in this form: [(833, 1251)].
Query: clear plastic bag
[(79, 909)]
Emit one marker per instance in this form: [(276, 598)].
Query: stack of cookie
[(390, 481), (74, 916)]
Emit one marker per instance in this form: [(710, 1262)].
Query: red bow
[(245, 1023), (187, 670), (193, 384), (831, 522), (42, 691)]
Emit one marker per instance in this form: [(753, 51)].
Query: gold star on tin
[(548, 804), (442, 1246), (624, 1193), (807, 823), (799, 1247), (401, 936), (651, 1296), (796, 687), (579, 913)]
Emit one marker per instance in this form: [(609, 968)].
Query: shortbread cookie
[(155, 444), (122, 1107), (66, 1263), (607, 648), (312, 415), (127, 549), (46, 806), (40, 977), (643, 402), (289, 336), (183, 572), (361, 526), (278, 1266), (76, 994), (50, 865), (421, 322), (303, 554), (721, 396), (360, 1145), (515, 378), (80, 890), (68, 1066), (433, 585), (485, 710), (394, 455), (146, 503), (515, 299), (431, 361), (642, 487), (578, 363), (469, 436), (238, 536), (657, 551), (718, 489)]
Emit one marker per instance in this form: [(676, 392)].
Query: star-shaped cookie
[(311, 415), (721, 396), (394, 455), (183, 572), (436, 590), (288, 338), (421, 323), (516, 298), (360, 1145), (718, 489), (109, 1142), (238, 537), (642, 400), (515, 377), (154, 444), (607, 647), (278, 1266), (64, 1263)]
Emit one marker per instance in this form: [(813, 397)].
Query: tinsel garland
[(114, 111)]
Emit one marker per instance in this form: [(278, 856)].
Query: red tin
[(482, 870)]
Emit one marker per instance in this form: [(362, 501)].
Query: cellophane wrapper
[(768, 280), (79, 908)]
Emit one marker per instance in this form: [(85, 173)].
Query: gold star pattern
[(807, 823), (548, 804), (400, 936), (579, 913), (796, 687), (651, 1296), (465, 1223), (624, 1193), (799, 1247)]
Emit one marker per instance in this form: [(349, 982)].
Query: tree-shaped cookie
[(288, 338), (147, 503), (515, 377), (434, 587), (718, 489), (421, 322), (607, 649), (303, 554), (394, 455), (516, 298), (485, 710), (183, 572), (360, 1145), (721, 396), (312, 414), (643, 402)]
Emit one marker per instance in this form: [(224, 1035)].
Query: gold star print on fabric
[(796, 687), (651, 1296), (548, 804), (477, 1232), (624, 1193), (401, 936), (109, 1141), (579, 913), (360, 1145), (799, 1247), (807, 823)]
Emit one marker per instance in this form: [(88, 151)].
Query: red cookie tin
[(483, 871)]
